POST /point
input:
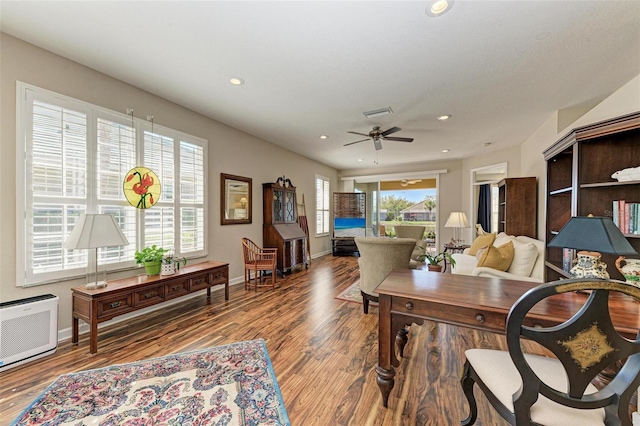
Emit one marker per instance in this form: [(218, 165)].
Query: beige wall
[(230, 151)]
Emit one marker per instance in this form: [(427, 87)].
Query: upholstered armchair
[(417, 233), (378, 257)]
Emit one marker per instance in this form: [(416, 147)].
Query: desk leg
[(74, 330), (226, 290), (385, 349)]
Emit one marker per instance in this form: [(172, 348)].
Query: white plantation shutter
[(76, 156), (116, 155), (322, 205), (56, 186), (159, 157), (192, 183)]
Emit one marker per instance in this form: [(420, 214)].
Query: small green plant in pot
[(171, 264), (433, 260), (151, 258)]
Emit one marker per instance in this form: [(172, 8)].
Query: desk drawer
[(220, 276), (456, 315), (176, 288), (115, 305), (198, 282), (148, 296)]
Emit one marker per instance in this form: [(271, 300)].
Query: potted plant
[(151, 258), (433, 260), (171, 263)]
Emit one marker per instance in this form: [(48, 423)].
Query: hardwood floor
[(324, 352)]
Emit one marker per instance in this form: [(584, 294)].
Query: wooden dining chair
[(557, 390), (259, 260)]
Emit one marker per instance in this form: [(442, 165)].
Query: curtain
[(484, 207)]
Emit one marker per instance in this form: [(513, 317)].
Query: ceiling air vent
[(378, 112)]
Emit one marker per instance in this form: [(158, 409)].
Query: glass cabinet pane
[(278, 203), (290, 207)]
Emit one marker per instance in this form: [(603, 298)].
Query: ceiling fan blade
[(391, 130), (361, 134), (397, 139), (377, 143), (351, 143)]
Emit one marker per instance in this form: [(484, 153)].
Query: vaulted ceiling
[(312, 68)]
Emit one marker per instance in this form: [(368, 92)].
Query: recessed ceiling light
[(445, 150), (236, 81), (323, 136), (444, 117), (360, 159), (438, 7)]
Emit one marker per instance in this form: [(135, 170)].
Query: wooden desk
[(408, 296), (120, 297)]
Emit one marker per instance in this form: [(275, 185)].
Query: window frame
[(26, 96), (324, 209)]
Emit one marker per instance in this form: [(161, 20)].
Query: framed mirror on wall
[(235, 199)]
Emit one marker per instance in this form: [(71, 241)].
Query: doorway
[(486, 179)]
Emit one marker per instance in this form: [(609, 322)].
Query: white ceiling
[(311, 68)]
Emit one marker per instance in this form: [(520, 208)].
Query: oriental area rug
[(352, 294), (227, 385)]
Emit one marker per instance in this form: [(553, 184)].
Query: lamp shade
[(592, 233), (457, 220), (95, 230)]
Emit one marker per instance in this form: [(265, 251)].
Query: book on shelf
[(567, 259), (626, 216)]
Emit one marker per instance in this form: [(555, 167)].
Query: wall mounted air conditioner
[(28, 329)]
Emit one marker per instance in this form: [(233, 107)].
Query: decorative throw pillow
[(503, 238), (524, 257), (496, 257), (481, 241)]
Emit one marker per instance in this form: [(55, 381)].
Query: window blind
[(76, 156)]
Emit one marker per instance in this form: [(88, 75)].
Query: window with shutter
[(322, 205), (74, 158)]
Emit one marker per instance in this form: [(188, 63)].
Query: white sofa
[(522, 259)]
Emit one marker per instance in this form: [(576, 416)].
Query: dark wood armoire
[(280, 229)]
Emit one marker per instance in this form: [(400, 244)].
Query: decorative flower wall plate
[(141, 187)]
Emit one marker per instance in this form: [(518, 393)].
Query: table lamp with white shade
[(457, 220), (93, 231)]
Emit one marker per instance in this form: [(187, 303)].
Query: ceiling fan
[(378, 136), (405, 182)]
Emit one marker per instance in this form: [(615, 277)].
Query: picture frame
[(236, 203)]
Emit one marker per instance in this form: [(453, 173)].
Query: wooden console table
[(409, 296), (131, 294)]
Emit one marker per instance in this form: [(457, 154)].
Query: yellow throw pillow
[(481, 241), (499, 258)]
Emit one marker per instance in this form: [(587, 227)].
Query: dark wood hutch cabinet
[(280, 229), (579, 182), (518, 206)]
